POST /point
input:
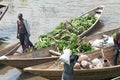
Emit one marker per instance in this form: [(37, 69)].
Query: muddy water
[(43, 16)]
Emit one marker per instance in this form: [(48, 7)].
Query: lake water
[(43, 16)]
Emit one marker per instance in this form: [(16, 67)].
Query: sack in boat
[(108, 41), (97, 43), (3, 58), (65, 57), (97, 63)]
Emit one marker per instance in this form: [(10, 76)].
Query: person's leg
[(116, 53), (28, 40), (22, 37)]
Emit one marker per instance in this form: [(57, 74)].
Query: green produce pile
[(65, 35)]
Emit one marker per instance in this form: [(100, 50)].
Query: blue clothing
[(117, 47), (116, 53)]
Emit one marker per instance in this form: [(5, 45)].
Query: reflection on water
[(44, 15), (29, 76), (11, 74)]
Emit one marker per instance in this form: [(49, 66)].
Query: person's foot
[(23, 51), (31, 49)]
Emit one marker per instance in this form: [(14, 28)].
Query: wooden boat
[(3, 9), (100, 35), (97, 12), (116, 78), (28, 59), (93, 37), (9, 50), (53, 70)]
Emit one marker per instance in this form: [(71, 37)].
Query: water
[(43, 16)]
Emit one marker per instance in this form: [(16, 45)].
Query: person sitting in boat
[(117, 48), (23, 31)]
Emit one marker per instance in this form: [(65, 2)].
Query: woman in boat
[(117, 48), (23, 31)]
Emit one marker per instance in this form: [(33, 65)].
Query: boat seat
[(100, 7), (98, 11)]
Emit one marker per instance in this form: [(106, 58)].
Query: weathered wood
[(95, 13), (54, 53), (53, 70), (10, 50), (23, 60), (3, 9)]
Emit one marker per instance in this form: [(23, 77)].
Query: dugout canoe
[(10, 50), (99, 74), (23, 60), (97, 12), (53, 70), (3, 9), (93, 37)]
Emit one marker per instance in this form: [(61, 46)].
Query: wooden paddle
[(54, 53), (103, 55)]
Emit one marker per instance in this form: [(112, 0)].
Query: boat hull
[(3, 9), (54, 73), (9, 50), (23, 60), (97, 12)]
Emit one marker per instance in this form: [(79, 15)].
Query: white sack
[(65, 57)]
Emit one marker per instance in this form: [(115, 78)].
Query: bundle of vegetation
[(65, 35)]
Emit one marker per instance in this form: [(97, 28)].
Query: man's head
[(20, 16)]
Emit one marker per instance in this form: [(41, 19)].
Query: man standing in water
[(23, 31)]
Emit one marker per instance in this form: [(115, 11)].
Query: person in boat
[(117, 48), (68, 68), (23, 31)]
